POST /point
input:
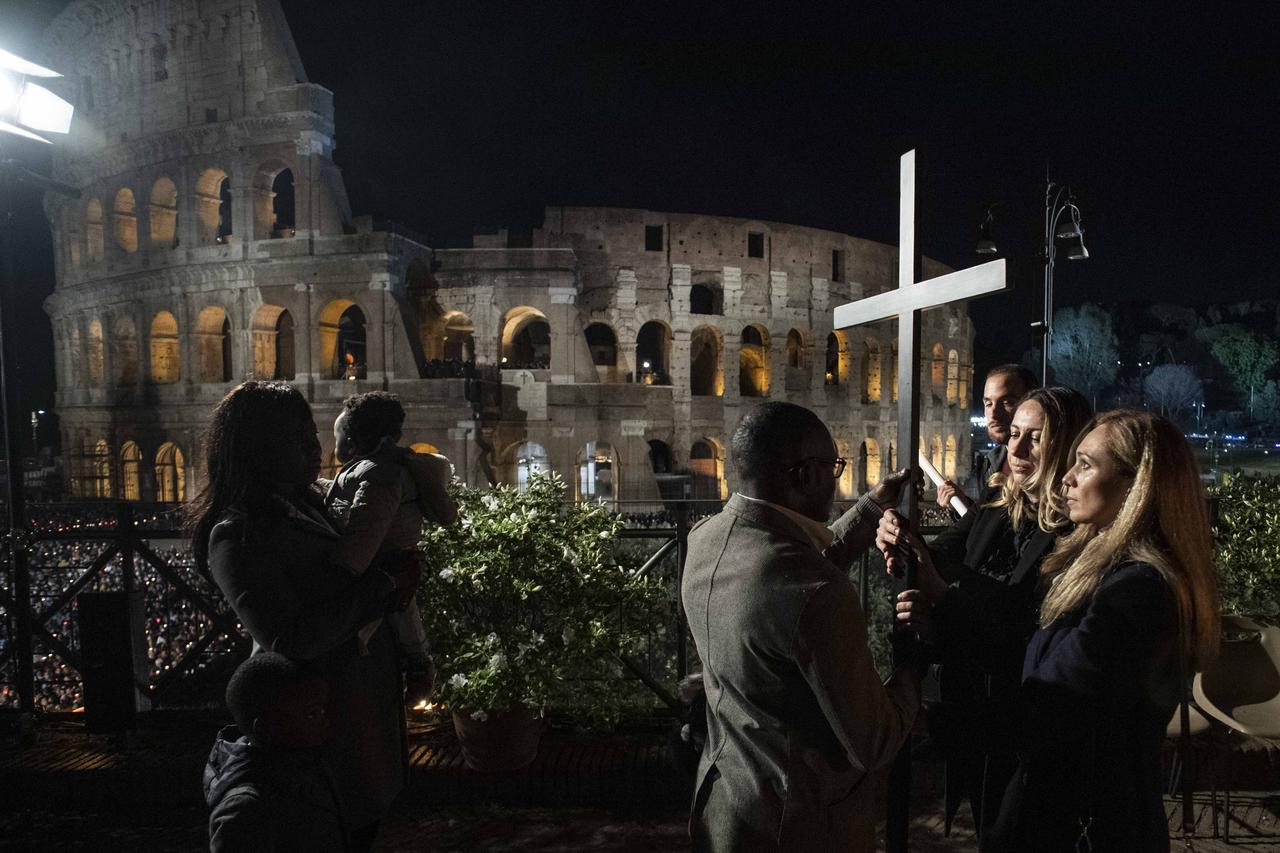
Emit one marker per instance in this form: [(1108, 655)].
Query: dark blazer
[(797, 717), (1100, 685), (284, 583)]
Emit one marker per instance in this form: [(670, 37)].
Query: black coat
[(1100, 685)]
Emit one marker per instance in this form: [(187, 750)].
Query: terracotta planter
[(504, 741)]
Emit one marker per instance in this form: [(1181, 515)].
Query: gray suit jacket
[(797, 717)]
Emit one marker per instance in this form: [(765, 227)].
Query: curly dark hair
[(259, 682), (373, 416), (240, 445)]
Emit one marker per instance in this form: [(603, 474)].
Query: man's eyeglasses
[(837, 465)]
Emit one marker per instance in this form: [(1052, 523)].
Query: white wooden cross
[(906, 303)]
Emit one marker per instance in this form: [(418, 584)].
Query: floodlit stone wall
[(214, 242)]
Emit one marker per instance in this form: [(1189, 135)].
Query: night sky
[(462, 114)]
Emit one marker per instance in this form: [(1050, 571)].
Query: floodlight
[(18, 65), (26, 106), (41, 109)]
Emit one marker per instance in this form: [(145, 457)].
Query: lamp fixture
[(26, 106)]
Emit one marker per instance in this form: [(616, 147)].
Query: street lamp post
[(1058, 200), (26, 106)]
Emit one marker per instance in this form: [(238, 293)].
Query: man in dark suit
[(798, 718), (1003, 390)]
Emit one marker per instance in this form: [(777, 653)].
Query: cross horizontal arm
[(952, 287)]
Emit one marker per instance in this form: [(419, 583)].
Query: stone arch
[(937, 364), (273, 343), (130, 471), (99, 468), (124, 352), (166, 358), (868, 464), (661, 459), (96, 354), (163, 212), (274, 213), (213, 206), (706, 372), (753, 362), (653, 354), (602, 344), (171, 474), (459, 341), (526, 339), (705, 299), (342, 340), (96, 240), (836, 369), (124, 220), (597, 472), (953, 377), (949, 458), (524, 460), (213, 345), (935, 452), (871, 375), (706, 464)]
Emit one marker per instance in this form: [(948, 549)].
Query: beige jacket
[(798, 719)]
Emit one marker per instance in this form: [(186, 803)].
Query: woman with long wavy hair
[(260, 531), (982, 579), (1130, 609)]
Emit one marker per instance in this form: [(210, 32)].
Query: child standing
[(265, 783), (384, 493)]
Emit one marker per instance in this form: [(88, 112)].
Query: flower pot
[(503, 741)]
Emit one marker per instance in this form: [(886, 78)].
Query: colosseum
[(214, 242)]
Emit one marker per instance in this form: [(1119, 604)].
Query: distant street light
[(25, 107), (1058, 200)]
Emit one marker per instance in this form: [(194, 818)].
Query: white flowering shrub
[(527, 600)]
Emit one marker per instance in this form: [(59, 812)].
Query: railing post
[(682, 551), (125, 536), (23, 650)]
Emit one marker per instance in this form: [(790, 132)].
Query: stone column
[(564, 335), (487, 337), (304, 334), (681, 281), (378, 363), (681, 397), (732, 278), (778, 293)]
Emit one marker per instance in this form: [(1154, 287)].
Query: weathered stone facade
[(214, 242)]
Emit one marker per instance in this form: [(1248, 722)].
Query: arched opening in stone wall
[(213, 345), (526, 340), (706, 374), (937, 368), (603, 345), (171, 474), (528, 460), (797, 381), (836, 360), (653, 354), (868, 464), (949, 458), (871, 385), (124, 220), (96, 355), (424, 447), (166, 361), (704, 299), (272, 332), (213, 206), (100, 471), (953, 377), (124, 352), (597, 472), (283, 207), (96, 245), (706, 464), (164, 214), (459, 343), (935, 452), (342, 341), (661, 459), (130, 471), (753, 362)]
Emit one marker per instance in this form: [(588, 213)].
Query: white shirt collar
[(819, 534)]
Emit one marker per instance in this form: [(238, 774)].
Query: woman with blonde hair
[(1130, 608), (982, 579)]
